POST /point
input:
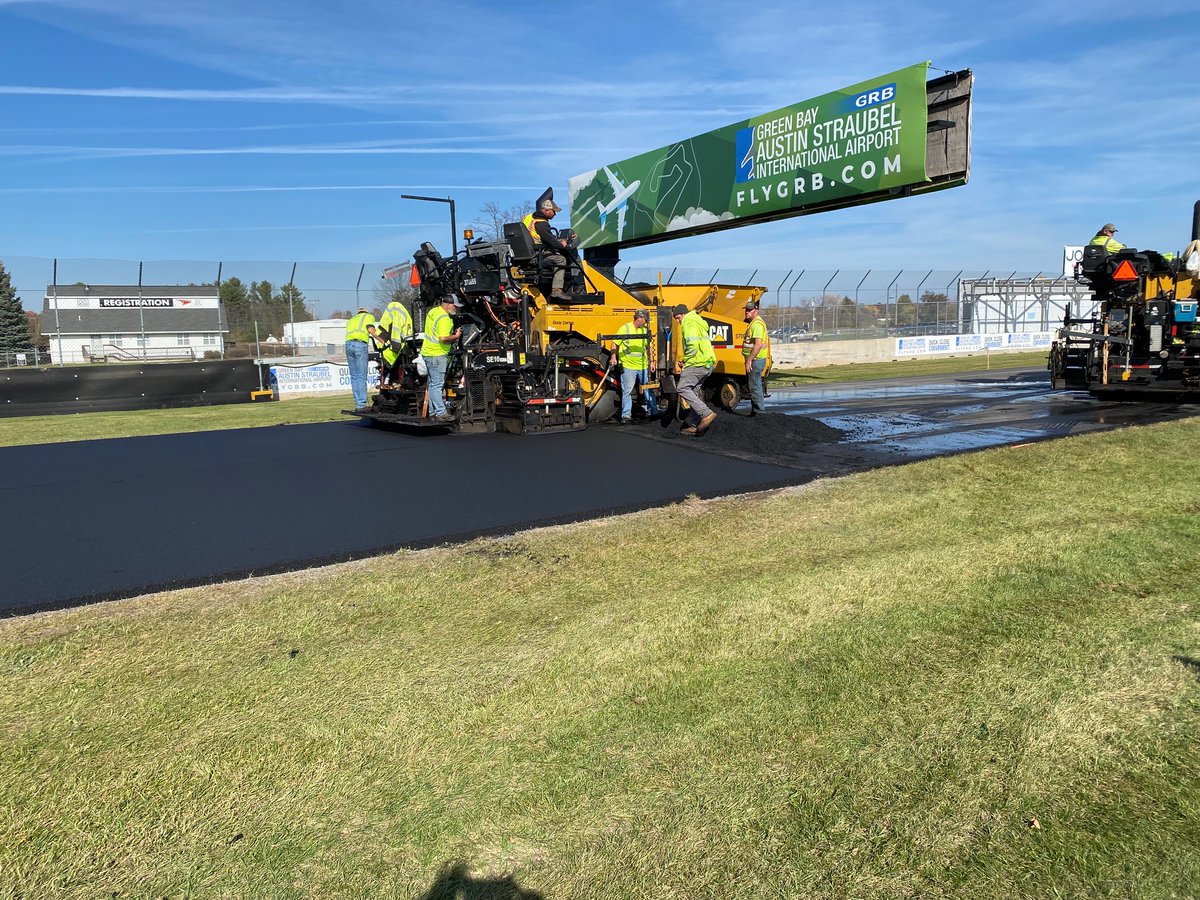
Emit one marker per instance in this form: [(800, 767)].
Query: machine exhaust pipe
[(1196, 221)]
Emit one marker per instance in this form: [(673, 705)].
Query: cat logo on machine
[(720, 333)]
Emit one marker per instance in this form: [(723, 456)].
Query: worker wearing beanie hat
[(696, 365), (637, 364)]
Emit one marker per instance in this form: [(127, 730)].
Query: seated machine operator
[(1104, 238), (556, 248)]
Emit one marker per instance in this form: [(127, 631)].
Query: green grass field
[(970, 677)]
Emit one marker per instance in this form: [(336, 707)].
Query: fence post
[(824, 291), (917, 309), (779, 290), (887, 294), (860, 284), (792, 286), (957, 308)]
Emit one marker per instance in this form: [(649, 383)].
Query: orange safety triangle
[(1125, 272), (414, 277)]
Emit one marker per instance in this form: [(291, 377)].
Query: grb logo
[(743, 149), (873, 97)]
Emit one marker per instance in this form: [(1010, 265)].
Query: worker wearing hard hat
[(637, 364), (754, 348), (1104, 238), (697, 363), (554, 247), (360, 328)]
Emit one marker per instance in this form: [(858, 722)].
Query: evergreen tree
[(236, 300), (14, 327)]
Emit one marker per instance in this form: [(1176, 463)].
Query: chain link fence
[(854, 304), (800, 303)]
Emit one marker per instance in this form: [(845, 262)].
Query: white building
[(107, 322), (318, 337)]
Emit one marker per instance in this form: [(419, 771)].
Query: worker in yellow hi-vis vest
[(754, 347), (360, 328), (396, 327), (1104, 238), (440, 333), (637, 365)]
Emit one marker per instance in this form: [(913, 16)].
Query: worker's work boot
[(560, 296), (688, 429), (705, 423)]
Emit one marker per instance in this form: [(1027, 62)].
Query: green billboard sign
[(846, 147)]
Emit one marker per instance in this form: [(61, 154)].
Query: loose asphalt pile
[(766, 437)]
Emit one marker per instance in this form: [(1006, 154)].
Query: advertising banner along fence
[(860, 144)]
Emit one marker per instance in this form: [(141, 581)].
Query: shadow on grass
[(1189, 662), (455, 882)]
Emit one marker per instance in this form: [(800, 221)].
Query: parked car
[(787, 334)]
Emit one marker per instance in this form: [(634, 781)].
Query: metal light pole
[(57, 326), (291, 289), (453, 224), (220, 333)]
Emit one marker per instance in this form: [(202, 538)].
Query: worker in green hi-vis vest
[(697, 363)]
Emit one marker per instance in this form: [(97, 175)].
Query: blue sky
[(219, 130)]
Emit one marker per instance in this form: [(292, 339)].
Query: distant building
[(318, 337), (112, 322)]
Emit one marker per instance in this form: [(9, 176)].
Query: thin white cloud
[(86, 153), (257, 229), (261, 189)]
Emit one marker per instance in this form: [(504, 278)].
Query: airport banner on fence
[(848, 146), (973, 343), (317, 378)]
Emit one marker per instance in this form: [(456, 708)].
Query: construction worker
[(554, 248), (697, 363), (1104, 238), (754, 348), (637, 365), (396, 325), (360, 330), (440, 333)]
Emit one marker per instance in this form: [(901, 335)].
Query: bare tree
[(489, 224)]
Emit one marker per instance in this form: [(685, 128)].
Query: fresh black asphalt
[(98, 520)]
